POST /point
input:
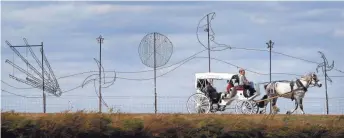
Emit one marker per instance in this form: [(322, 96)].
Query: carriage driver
[(245, 83)]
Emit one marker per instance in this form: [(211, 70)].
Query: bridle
[(309, 78)]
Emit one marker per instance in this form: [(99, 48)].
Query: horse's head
[(313, 79)]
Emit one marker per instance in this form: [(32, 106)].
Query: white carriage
[(203, 102)]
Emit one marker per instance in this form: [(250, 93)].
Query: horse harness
[(299, 86)]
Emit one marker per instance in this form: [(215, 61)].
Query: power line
[(16, 87), (249, 70), (17, 94)]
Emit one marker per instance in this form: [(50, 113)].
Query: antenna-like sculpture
[(44, 80), (155, 50), (325, 67)]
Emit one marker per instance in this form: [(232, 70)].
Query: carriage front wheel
[(198, 103)]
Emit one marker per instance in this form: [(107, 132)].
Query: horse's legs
[(268, 88), (275, 108), (296, 105), (266, 101), (301, 106), (264, 108)]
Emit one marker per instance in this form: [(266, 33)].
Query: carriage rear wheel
[(198, 103), (246, 107)]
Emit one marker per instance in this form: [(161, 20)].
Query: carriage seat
[(239, 88), (230, 87)]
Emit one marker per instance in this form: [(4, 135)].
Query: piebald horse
[(294, 90)]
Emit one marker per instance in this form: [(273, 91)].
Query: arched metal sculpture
[(155, 50), (205, 25)]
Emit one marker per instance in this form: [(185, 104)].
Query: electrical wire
[(16, 87), (17, 94), (249, 70)]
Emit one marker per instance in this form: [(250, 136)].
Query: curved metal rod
[(95, 90), (325, 66), (198, 26), (103, 70), (100, 67), (87, 81), (112, 82)]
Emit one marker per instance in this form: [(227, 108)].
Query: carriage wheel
[(198, 103), (255, 109), (246, 107)]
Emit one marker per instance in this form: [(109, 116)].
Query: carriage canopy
[(212, 75)]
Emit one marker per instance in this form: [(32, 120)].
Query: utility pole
[(44, 96), (155, 95), (43, 87), (208, 30), (325, 71), (100, 41), (270, 46)]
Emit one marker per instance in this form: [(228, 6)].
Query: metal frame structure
[(47, 84)]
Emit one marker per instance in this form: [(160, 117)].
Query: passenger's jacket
[(243, 80)]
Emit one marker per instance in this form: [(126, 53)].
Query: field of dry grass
[(83, 124)]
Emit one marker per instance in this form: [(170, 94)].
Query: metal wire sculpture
[(155, 50), (45, 78), (205, 25), (95, 77), (325, 68)]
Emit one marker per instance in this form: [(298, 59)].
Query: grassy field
[(94, 125)]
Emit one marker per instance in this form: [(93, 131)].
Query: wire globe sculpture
[(155, 50)]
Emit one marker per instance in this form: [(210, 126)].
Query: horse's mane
[(307, 76)]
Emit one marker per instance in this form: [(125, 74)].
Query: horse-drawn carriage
[(208, 99), (207, 96)]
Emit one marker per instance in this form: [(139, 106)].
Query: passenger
[(212, 92)]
